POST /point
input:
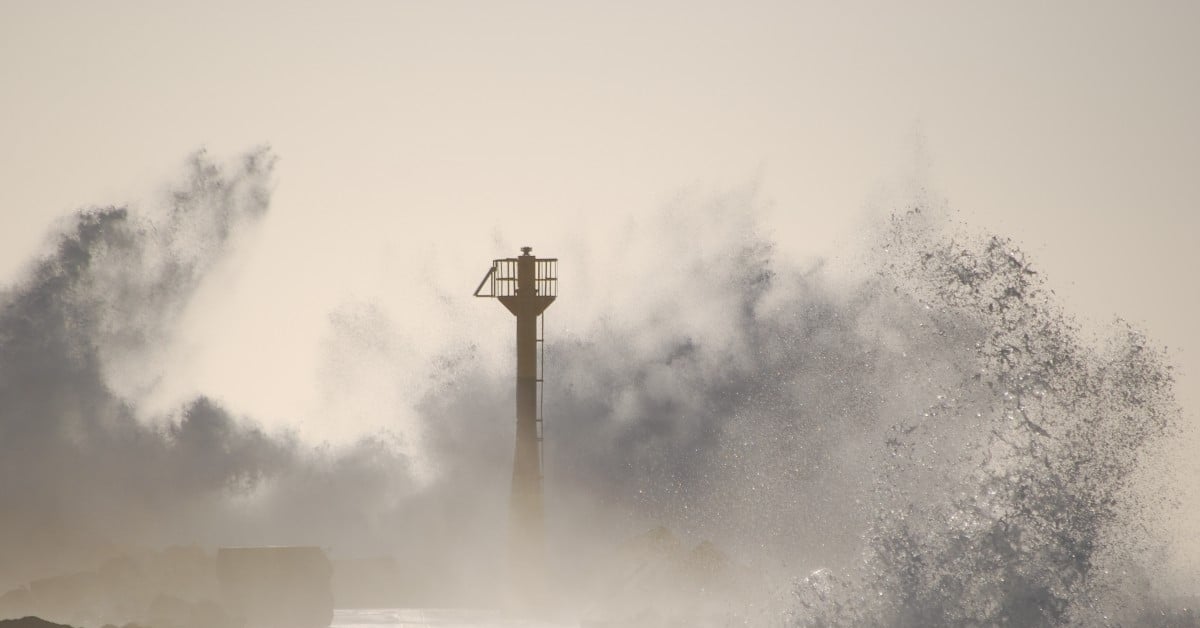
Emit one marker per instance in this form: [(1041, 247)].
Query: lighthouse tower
[(526, 285)]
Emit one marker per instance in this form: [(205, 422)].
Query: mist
[(716, 388)]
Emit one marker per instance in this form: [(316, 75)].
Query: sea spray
[(1004, 500), (941, 424)]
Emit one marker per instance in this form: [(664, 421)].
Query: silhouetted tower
[(526, 286)]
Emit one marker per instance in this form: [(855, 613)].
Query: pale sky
[(449, 133)]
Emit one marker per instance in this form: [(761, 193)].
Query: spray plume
[(937, 433)]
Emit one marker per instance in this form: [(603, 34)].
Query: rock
[(30, 622)]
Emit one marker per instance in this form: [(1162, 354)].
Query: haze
[(417, 141)]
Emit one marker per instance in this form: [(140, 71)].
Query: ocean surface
[(440, 617)]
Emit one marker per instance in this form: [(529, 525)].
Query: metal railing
[(502, 278)]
